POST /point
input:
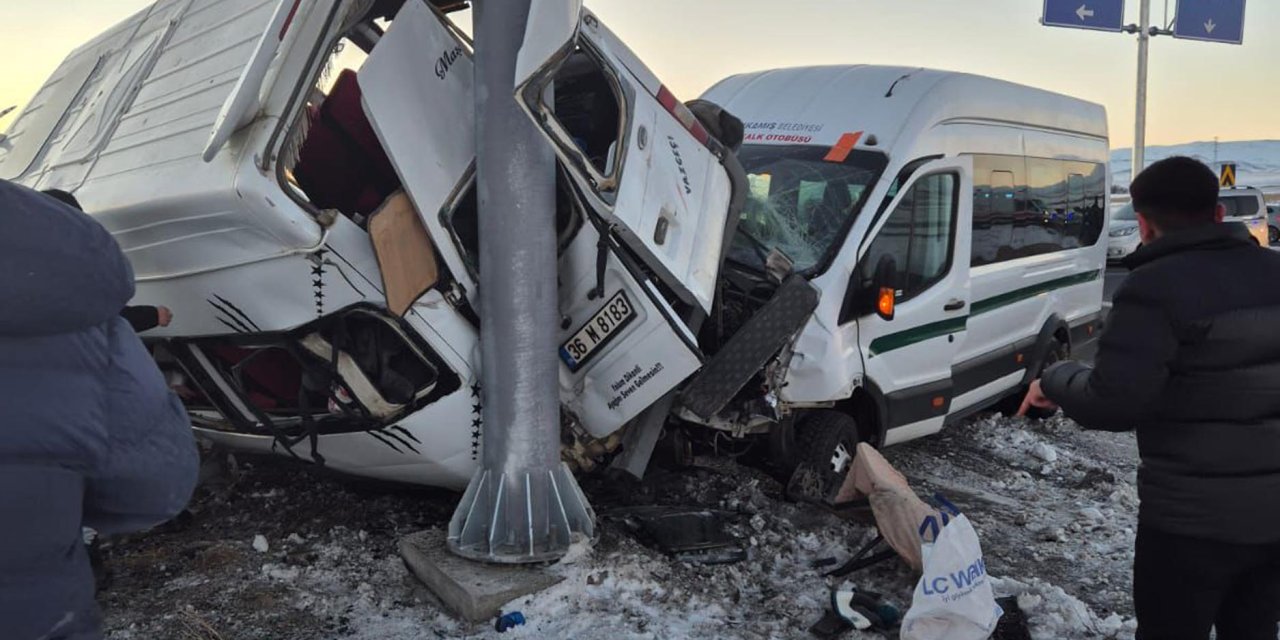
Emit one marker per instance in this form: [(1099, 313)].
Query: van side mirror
[(877, 294), (884, 286)]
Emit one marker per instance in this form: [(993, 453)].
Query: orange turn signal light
[(885, 302), (939, 401)]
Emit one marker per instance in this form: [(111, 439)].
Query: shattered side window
[(587, 105), (800, 204)]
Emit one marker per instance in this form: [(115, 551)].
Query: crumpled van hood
[(60, 271)]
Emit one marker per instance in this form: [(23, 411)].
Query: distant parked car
[(1247, 205), (1123, 234), (1273, 223)]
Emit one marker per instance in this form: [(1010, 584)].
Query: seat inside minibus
[(341, 165), (332, 157), (350, 371), (335, 160)]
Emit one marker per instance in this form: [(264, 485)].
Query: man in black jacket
[(1191, 360)]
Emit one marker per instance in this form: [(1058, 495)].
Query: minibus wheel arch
[(867, 407), (1054, 332)]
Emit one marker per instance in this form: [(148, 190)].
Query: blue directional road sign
[(1212, 20), (1102, 15)]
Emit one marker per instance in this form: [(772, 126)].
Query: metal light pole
[(523, 504), (1140, 127)]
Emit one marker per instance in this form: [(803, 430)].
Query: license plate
[(602, 327)]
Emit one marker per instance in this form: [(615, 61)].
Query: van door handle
[(954, 305)]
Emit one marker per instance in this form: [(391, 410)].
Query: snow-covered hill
[(1258, 161)]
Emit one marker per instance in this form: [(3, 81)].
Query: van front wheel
[(825, 443)]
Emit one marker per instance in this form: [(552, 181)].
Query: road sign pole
[(1140, 126), (1208, 20)]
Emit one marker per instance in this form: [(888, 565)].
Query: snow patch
[(1045, 452), (1054, 614)]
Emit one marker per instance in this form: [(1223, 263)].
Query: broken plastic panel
[(688, 534), (282, 382)]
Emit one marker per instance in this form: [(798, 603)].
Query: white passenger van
[(294, 178), (950, 227)]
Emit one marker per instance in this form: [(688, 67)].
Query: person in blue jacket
[(90, 435), (140, 317)]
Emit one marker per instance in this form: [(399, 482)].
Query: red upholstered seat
[(341, 164), (272, 379)]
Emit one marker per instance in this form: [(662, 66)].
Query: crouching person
[(89, 433)]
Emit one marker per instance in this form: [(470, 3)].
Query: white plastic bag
[(953, 600)]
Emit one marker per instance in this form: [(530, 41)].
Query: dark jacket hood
[(60, 271), (1210, 237)]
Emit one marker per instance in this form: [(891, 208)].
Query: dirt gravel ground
[(1055, 508)]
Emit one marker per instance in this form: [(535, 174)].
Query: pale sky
[(1198, 90)]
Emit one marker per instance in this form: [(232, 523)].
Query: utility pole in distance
[(1140, 124)]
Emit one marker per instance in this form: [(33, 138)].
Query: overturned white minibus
[(294, 179)]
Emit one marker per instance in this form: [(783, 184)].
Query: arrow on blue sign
[(1101, 15), (1211, 20)]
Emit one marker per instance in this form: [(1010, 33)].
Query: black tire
[(782, 449), (1058, 351), (674, 450), (1008, 407), (1273, 234), (825, 443)]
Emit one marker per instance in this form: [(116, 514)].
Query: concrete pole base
[(471, 591), (529, 517)]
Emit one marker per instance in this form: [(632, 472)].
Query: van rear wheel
[(825, 443), (1058, 352)]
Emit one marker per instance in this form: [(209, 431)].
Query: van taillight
[(683, 114)]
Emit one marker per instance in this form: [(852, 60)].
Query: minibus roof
[(823, 103)]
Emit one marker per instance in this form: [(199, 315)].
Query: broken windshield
[(800, 203)]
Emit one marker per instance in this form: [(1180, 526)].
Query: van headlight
[(1126, 231)]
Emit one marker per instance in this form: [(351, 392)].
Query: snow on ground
[(1055, 508)]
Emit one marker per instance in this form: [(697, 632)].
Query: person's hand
[(164, 316), (1036, 398)]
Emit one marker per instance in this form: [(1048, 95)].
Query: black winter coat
[(1191, 359)]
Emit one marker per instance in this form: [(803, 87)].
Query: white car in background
[(1123, 234), (1248, 206)]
